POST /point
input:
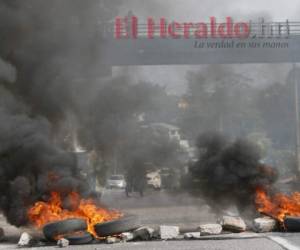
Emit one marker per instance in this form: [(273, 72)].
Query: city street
[(162, 208), (159, 124)]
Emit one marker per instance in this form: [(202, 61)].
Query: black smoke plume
[(49, 53), (228, 173)]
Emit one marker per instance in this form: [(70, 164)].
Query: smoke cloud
[(51, 83), (48, 72), (228, 172)]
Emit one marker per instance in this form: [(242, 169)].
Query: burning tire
[(292, 224), (65, 227), (125, 224), (83, 238)]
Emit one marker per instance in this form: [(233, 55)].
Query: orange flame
[(279, 206), (42, 213)]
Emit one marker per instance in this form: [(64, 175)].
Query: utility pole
[(295, 78)]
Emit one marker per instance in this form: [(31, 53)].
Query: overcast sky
[(200, 10)]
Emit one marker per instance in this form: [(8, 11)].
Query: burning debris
[(64, 228), (84, 221), (234, 171), (43, 213), (238, 178), (278, 206), (115, 227), (292, 223)]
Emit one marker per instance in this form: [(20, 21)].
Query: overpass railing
[(256, 29)]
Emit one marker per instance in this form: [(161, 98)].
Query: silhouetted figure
[(136, 179)]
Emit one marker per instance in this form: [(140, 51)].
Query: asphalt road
[(158, 208), (161, 207), (252, 244)]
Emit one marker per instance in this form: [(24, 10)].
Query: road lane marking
[(283, 243)]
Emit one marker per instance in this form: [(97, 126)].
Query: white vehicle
[(116, 181), (154, 180)]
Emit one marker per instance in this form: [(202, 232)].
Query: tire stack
[(75, 230)]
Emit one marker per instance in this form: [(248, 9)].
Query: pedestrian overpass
[(273, 42)]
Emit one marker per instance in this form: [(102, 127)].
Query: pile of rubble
[(226, 226)]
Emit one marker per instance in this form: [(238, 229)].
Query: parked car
[(116, 181)]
